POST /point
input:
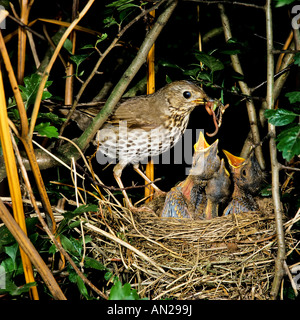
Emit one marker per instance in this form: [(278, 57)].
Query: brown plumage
[(247, 178), (188, 199), (148, 125)]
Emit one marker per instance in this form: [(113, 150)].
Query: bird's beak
[(201, 143), (200, 101), (234, 161)]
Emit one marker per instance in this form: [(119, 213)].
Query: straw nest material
[(230, 257)]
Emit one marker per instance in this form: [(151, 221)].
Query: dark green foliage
[(119, 292)]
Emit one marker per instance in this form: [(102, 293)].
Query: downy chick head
[(205, 159), (247, 173)]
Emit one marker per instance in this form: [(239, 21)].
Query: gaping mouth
[(201, 144), (211, 106), (234, 160)]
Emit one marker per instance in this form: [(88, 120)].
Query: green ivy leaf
[(293, 96), (54, 118), (86, 208), (119, 292), (289, 142), (109, 21), (45, 129), (101, 38), (297, 59), (12, 252), (82, 288), (68, 45), (281, 3), (211, 62), (70, 245), (30, 88), (93, 263), (13, 290), (78, 59), (280, 117), (5, 237)]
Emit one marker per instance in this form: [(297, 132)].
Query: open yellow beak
[(234, 161), (201, 144)]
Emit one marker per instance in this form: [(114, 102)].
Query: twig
[(279, 261), (50, 280), (102, 57), (275, 76), (244, 88), (248, 5), (281, 166), (131, 71), (50, 234), (115, 188), (124, 244), (287, 270), (47, 70), (20, 23)]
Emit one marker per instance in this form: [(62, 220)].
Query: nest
[(230, 257)]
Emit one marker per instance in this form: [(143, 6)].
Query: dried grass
[(225, 258)]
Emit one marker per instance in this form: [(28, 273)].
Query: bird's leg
[(118, 168), (117, 174), (142, 174)]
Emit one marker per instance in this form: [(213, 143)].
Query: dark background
[(176, 44)]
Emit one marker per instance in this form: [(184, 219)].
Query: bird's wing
[(138, 113), (175, 205)]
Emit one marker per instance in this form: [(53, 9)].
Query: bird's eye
[(244, 173), (187, 94)]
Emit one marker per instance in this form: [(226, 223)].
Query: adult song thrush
[(188, 199), (247, 178), (148, 125)]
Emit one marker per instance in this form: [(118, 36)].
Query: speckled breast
[(132, 146)]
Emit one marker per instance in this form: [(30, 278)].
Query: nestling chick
[(247, 178), (188, 199), (217, 191)]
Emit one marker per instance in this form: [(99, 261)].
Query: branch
[(129, 74), (31, 252), (249, 5), (113, 44), (279, 261), (245, 90)]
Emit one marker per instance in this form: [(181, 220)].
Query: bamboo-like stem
[(47, 70), (31, 252), (245, 90), (25, 10), (279, 262), (70, 66), (150, 89), (99, 62), (49, 233), (50, 280), (24, 135), (14, 184), (15, 88)]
